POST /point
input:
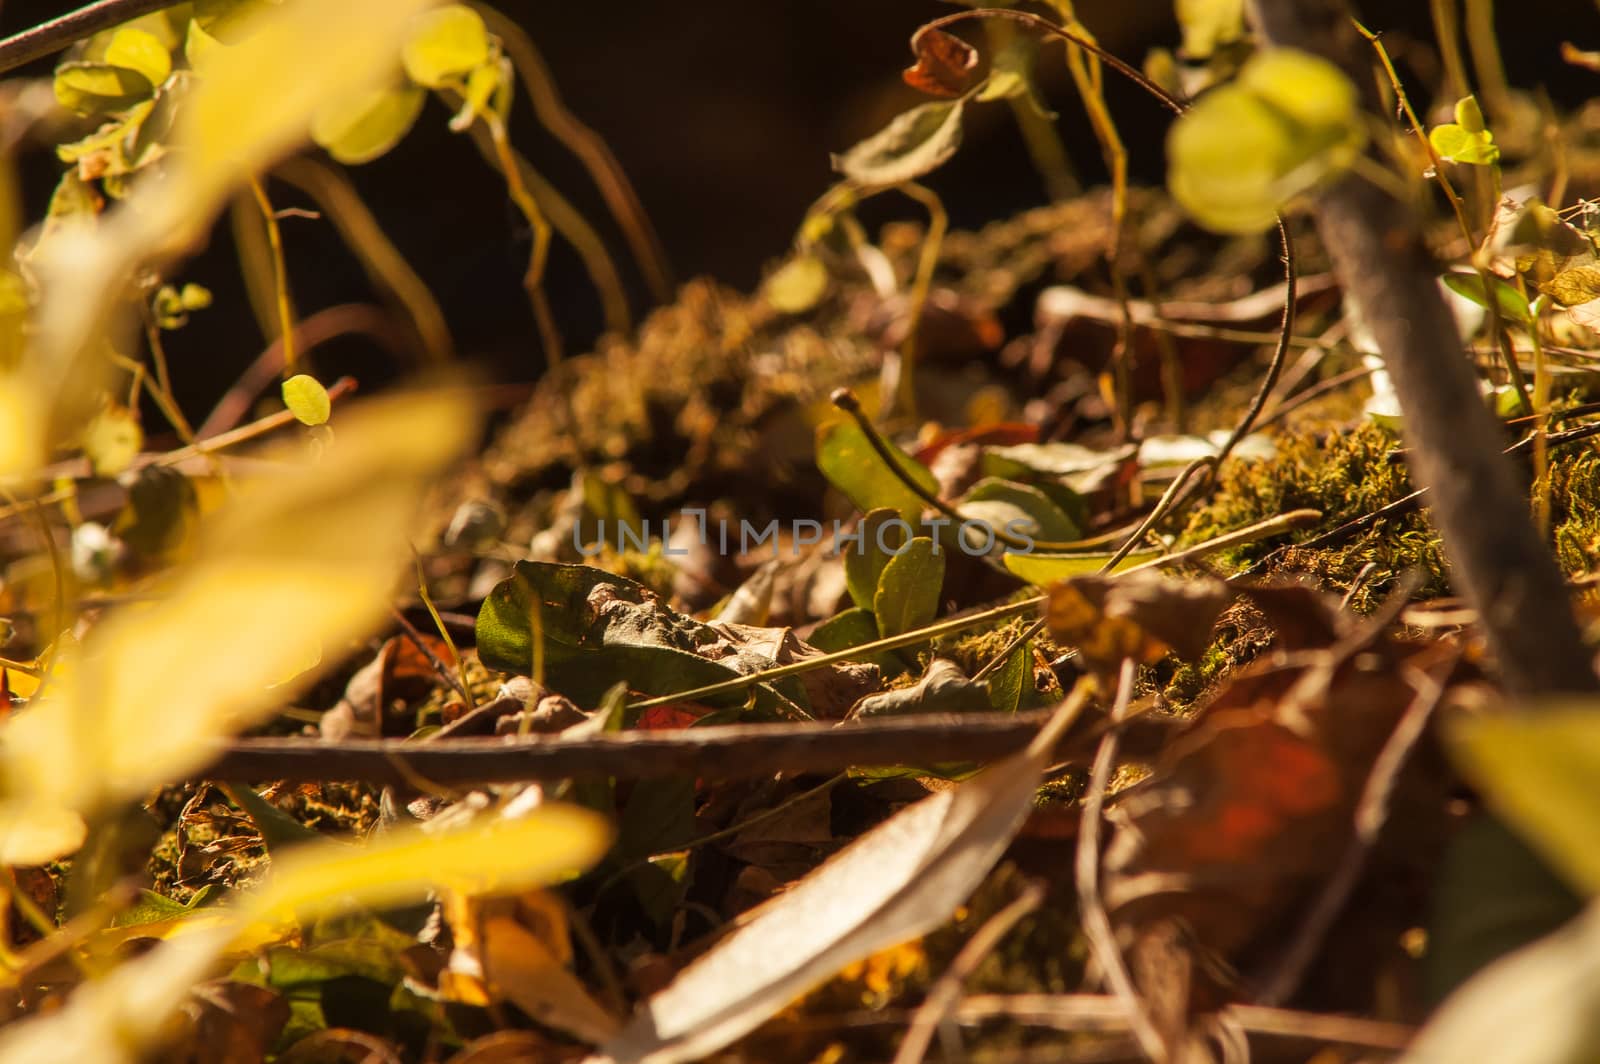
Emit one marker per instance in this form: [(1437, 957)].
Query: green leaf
[(849, 462), (916, 142), (851, 628), (599, 628), (1537, 769), (153, 908), (797, 285), (1209, 24), (1469, 116), (100, 88), (864, 562), (908, 588), (363, 128), (1011, 74), (139, 51), (1512, 304), (1456, 144), (445, 45), (1042, 570), (307, 399), (1245, 149), (1009, 681), (1018, 509), (279, 830)]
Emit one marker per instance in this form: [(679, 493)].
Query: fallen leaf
[(897, 881)]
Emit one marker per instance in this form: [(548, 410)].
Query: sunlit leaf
[(445, 44), (99, 88), (1245, 149), (112, 441), (139, 50), (1209, 24), (364, 126), (908, 587), (1512, 304), (307, 399), (1042, 570), (122, 1016), (848, 460), (916, 142), (312, 551), (796, 286)]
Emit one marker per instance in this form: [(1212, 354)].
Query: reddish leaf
[(944, 66)]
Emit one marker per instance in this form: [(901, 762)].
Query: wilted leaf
[(908, 588), (1575, 286), (944, 64), (307, 399), (364, 126), (944, 688), (445, 44), (851, 465), (916, 142), (1142, 616), (897, 881)]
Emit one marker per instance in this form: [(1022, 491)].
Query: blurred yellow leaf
[(445, 45), (139, 50), (307, 399), (122, 1016), (362, 127), (112, 440), (313, 551)]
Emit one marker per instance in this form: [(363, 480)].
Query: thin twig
[(1097, 929), (74, 26), (734, 751), (945, 995)]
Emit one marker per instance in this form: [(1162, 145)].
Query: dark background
[(723, 113)]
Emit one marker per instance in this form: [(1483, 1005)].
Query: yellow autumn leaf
[(313, 551), (120, 1018)]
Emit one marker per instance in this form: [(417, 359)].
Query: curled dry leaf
[(945, 64), (1143, 616)]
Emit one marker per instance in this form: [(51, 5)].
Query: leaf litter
[(1277, 804)]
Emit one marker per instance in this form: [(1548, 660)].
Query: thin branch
[(70, 28), (735, 751)]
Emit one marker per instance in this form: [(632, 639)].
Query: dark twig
[(735, 751), (70, 28)]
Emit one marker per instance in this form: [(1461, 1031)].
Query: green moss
[(1344, 474)]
